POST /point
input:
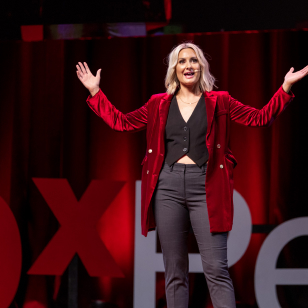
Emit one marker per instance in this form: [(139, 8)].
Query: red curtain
[(47, 130)]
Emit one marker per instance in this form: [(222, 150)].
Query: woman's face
[(186, 66)]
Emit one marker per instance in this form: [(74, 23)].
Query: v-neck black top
[(186, 138)]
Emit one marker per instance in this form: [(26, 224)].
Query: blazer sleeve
[(250, 116), (132, 121)]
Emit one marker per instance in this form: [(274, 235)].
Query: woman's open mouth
[(189, 74)]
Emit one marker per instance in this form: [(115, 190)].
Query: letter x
[(77, 233)]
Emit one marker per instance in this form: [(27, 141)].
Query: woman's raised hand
[(90, 81), (292, 77)]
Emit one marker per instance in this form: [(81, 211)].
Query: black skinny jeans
[(178, 202)]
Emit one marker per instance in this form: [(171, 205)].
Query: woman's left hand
[(292, 77)]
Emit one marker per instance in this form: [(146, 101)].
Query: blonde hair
[(206, 81)]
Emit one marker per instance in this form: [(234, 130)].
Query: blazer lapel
[(163, 115), (163, 110), (210, 104)]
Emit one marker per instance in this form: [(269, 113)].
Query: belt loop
[(203, 168)]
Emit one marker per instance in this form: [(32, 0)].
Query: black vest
[(186, 138)]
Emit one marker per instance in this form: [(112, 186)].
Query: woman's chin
[(189, 83)]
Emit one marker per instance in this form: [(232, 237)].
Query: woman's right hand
[(90, 81)]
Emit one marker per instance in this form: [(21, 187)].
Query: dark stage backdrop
[(47, 131)]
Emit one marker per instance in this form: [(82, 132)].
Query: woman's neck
[(186, 92)]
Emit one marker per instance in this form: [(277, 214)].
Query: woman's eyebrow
[(188, 58)]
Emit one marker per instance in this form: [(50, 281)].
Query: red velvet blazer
[(221, 108)]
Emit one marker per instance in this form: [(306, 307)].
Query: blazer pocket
[(221, 112), (231, 158)]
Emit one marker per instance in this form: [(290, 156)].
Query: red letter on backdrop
[(78, 233), (10, 255)]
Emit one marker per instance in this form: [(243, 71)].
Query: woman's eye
[(181, 61), (195, 60)]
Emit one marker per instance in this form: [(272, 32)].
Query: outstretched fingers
[(87, 67), (82, 68), (80, 72), (302, 73), (79, 75), (304, 70)]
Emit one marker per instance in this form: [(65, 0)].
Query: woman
[(187, 171)]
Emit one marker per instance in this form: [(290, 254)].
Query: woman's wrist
[(94, 91), (286, 87)]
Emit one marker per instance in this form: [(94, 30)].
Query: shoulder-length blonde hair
[(206, 81)]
